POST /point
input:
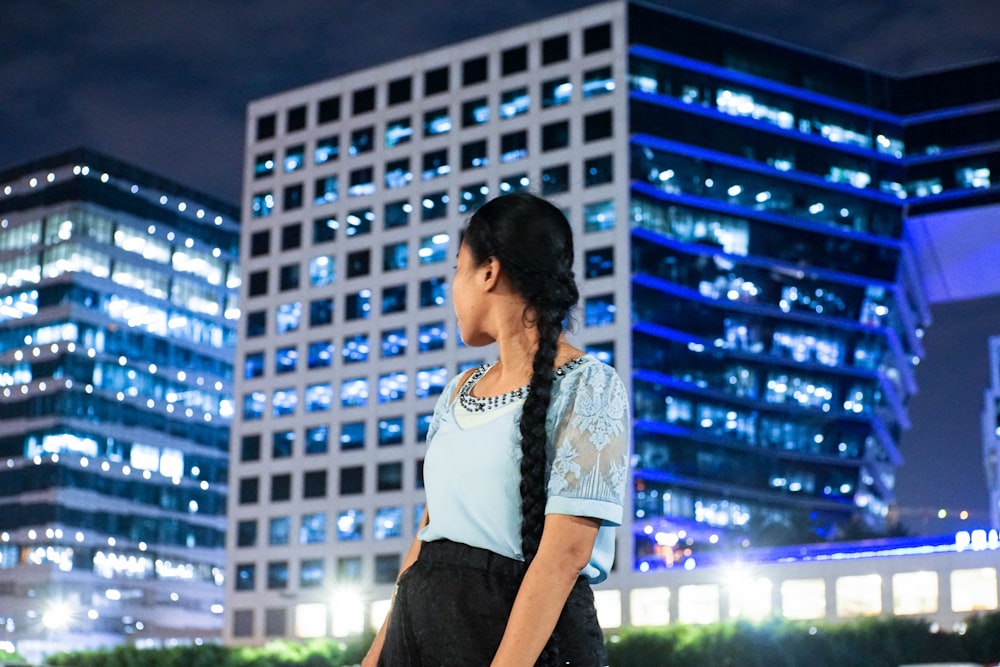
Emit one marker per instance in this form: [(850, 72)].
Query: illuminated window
[(327, 149), (803, 599), (859, 596), (599, 262), (325, 230), (352, 435), (350, 525), (310, 620), (354, 393), (321, 271), (246, 576), (393, 299), (698, 604), (390, 431), (914, 593), (437, 121), (282, 444), (320, 354), (598, 170), (603, 351), (317, 439), (433, 248), (514, 102), (599, 310), (253, 365), (397, 214), (433, 292), (357, 305), (398, 131), (472, 197), (474, 155), (361, 182), (423, 425), (650, 606), (253, 405), (434, 206), (435, 164), (294, 158), (599, 216), (284, 402), (514, 146), (749, 597), (288, 317), (475, 112), (394, 256), (319, 397), (355, 348), (974, 590), (393, 343), (392, 387), (261, 204), (362, 141), (431, 336), (279, 530), (326, 190), (312, 572), (359, 222), (398, 173), (263, 165), (431, 381), (514, 183), (388, 522), (598, 82)]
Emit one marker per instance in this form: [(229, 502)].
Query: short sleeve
[(590, 428), (441, 407)]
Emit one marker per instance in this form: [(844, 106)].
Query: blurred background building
[(991, 432), (118, 307), (760, 232)]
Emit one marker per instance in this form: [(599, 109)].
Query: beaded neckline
[(485, 403)]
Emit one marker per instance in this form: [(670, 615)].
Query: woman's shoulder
[(587, 370)]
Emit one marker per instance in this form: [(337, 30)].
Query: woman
[(525, 468)]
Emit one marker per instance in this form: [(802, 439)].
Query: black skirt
[(452, 606)]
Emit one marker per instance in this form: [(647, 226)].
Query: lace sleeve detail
[(589, 465), (441, 407)]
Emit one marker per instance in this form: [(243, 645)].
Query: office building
[(991, 433), (118, 311), (756, 227)]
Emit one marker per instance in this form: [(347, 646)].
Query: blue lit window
[(475, 112), (599, 216), (423, 425), (390, 431), (514, 183), (394, 256), (388, 522), (598, 170), (320, 312), (279, 530), (433, 248), (321, 271), (556, 92), (286, 359), (392, 387), (263, 165), (514, 146), (431, 381), (361, 182), (318, 439), (320, 354), (434, 206), (312, 573), (398, 131), (246, 576), (355, 349), (282, 444), (514, 102), (354, 393), (604, 352), (350, 525), (555, 179), (474, 155), (433, 292), (325, 230), (253, 405), (358, 305), (261, 204), (313, 528), (599, 310), (362, 141), (327, 149), (599, 262), (289, 317), (319, 397), (393, 299), (352, 435), (437, 122), (418, 509), (464, 366), (397, 214), (598, 82), (359, 222), (472, 197), (393, 343), (325, 190), (398, 174), (284, 402), (253, 365), (431, 336), (294, 158), (435, 164)]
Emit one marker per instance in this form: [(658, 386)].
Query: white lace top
[(472, 474)]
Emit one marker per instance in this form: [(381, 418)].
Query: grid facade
[(117, 329), (740, 209), (991, 433)]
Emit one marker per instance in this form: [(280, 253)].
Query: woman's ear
[(491, 274)]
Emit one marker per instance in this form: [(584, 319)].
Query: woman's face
[(468, 296)]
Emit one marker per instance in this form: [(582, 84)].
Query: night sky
[(164, 85)]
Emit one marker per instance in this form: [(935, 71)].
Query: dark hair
[(534, 244)]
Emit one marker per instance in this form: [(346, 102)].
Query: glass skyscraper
[(743, 213), (118, 307)]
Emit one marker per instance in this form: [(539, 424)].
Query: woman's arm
[(565, 549), (375, 651)]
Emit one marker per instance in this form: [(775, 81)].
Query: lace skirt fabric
[(452, 607)]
